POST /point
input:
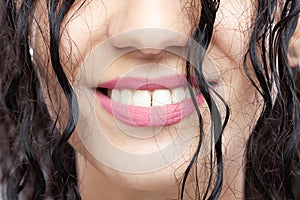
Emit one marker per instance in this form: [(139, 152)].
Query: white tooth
[(161, 97), (126, 97), (116, 95), (188, 95), (179, 94), (141, 98)]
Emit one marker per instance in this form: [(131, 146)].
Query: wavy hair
[(272, 150), (36, 161)]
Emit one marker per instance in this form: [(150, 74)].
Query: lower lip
[(138, 116)]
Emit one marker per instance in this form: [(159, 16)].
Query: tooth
[(179, 94), (141, 98), (161, 97), (116, 95), (188, 95), (126, 97)]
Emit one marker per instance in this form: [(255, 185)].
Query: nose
[(149, 25)]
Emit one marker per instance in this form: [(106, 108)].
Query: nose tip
[(149, 40), (149, 26)]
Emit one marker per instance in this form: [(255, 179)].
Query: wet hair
[(36, 161), (272, 150)]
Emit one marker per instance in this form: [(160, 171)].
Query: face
[(126, 62)]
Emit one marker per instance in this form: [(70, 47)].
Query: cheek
[(228, 47), (80, 33), (231, 29)]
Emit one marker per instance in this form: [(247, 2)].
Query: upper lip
[(137, 83)]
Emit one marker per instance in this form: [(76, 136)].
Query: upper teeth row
[(148, 98)]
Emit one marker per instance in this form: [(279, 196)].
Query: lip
[(138, 116), (137, 83)]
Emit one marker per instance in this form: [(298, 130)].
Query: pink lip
[(134, 83), (149, 116), (138, 116)]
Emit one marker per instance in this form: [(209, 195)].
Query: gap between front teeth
[(146, 98)]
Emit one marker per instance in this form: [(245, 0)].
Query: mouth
[(148, 103), (146, 98)]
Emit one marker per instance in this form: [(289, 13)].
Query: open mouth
[(151, 104), (147, 98)]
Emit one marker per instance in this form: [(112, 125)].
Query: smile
[(147, 103)]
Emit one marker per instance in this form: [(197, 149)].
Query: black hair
[(203, 36), (36, 161), (272, 149)]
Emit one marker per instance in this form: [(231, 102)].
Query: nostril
[(150, 51), (149, 40)]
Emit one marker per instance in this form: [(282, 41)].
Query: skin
[(88, 26)]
